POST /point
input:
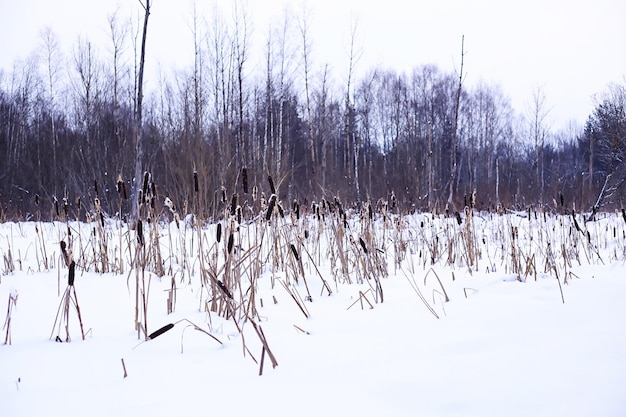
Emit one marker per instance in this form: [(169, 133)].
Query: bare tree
[(354, 54), (52, 60), (607, 128), (138, 121), (118, 33), (240, 45), (453, 149), (303, 23), (537, 116)]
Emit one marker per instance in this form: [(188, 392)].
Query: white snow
[(501, 346)]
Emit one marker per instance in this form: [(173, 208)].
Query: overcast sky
[(570, 49)]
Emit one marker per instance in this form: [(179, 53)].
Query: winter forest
[(80, 126)]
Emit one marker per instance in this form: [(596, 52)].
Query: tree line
[(422, 140)]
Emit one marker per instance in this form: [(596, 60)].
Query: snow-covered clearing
[(504, 345)]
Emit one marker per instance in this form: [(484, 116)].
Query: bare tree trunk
[(538, 116), (352, 163), (304, 32), (50, 40), (137, 123), (430, 166), (456, 124)]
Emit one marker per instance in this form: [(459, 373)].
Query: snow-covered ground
[(501, 346)]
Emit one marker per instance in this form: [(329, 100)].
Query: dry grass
[(304, 251)]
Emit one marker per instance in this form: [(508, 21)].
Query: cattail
[(66, 256), (71, 274), (124, 194), (56, 206), (219, 232), (36, 199), (66, 207), (362, 242), (140, 240), (255, 193), (271, 181), (231, 241), (102, 219), (233, 204), (95, 186), (159, 332), (244, 180), (295, 252), (79, 202), (270, 207), (195, 181), (575, 222), (239, 214), (224, 289), (624, 215), (561, 199), (280, 211), (296, 209)]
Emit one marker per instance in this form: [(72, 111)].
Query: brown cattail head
[(195, 181), (140, 240), (270, 207), (362, 242), (231, 241), (223, 194), (271, 181), (295, 252), (36, 199), (233, 204), (71, 274), (95, 186)]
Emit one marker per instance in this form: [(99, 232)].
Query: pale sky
[(569, 49)]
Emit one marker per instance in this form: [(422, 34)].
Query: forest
[(74, 130)]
